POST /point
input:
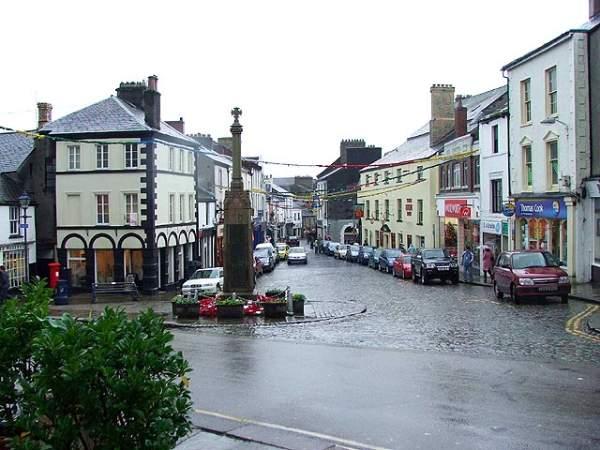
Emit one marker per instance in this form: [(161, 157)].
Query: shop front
[(541, 224), (460, 225), (494, 234)]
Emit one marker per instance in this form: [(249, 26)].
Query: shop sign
[(508, 209), (454, 208), (549, 209), (491, 226), (505, 228), (465, 212)]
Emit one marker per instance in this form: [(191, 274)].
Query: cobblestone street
[(403, 315)]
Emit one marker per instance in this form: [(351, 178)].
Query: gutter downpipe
[(512, 234)]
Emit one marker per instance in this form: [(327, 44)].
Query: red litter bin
[(53, 274)]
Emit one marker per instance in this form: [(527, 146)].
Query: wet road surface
[(426, 367)]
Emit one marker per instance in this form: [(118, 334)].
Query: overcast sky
[(305, 73)]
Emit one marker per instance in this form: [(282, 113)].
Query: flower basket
[(230, 308), (185, 307), (274, 309)]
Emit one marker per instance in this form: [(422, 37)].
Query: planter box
[(299, 307), (230, 311), (274, 310), (186, 311)]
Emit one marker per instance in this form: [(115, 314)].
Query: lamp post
[(24, 201)]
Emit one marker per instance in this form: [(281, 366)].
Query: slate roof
[(14, 149), (109, 115), (217, 157), (9, 190)]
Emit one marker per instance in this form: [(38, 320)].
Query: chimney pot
[(594, 8), (44, 114), (153, 83)]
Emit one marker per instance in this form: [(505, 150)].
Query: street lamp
[(24, 201)]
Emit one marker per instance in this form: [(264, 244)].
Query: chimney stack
[(44, 114), (594, 8), (151, 103), (460, 118), (132, 92), (179, 125), (442, 112)]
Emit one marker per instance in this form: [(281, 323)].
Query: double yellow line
[(574, 326)]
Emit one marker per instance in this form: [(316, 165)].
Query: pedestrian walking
[(411, 249), (467, 263), (488, 263), (316, 246), (4, 284)]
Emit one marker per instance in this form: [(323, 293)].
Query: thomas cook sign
[(548, 209)]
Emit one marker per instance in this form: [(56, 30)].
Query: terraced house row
[(516, 167)]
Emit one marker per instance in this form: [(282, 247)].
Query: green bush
[(298, 297), (21, 320), (110, 383), (229, 301), (183, 300)]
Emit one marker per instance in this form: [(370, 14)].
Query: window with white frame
[(386, 176), (181, 208), (387, 209), (171, 158), (102, 156), (551, 92), (14, 262), (131, 209), (376, 209), (13, 220), (74, 152), (496, 191), (220, 171), (477, 175), (367, 180), (553, 175), (398, 175), (399, 210), (191, 208), (171, 208), (419, 172), (376, 179), (526, 101), (419, 212), (181, 160), (494, 138), (191, 162), (102, 213), (528, 167), (131, 156), (456, 172)]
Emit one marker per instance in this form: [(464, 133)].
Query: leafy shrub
[(230, 301), (183, 300), (21, 320), (298, 297), (105, 384)]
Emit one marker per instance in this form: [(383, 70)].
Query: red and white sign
[(465, 212), (454, 208)]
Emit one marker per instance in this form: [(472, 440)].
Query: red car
[(523, 274), (402, 267)]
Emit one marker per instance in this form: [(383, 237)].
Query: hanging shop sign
[(508, 209), (456, 208), (491, 226), (549, 208)]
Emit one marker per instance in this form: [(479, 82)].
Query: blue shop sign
[(548, 209)]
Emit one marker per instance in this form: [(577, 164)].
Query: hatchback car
[(265, 254), (282, 250), (402, 267), (331, 246), (363, 254), (374, 258), (204, 281), (530, 274), (297, 255), (387, 258), (340, 251)]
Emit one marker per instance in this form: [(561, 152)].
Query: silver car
[(297, 255)]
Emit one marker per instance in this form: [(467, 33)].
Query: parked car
[(530, 274), (352, 252), (387, 258), (430, 263), (258, 268), (331, 246), (340, 251), (266, 256), (204, 281), (297, 255), (374, 258), (323, 246), (402, 267), (282, 250), (363, 254)]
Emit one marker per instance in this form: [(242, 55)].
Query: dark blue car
[(363, 254), (387, 258)]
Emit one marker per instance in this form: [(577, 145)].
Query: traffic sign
[(23, 226)]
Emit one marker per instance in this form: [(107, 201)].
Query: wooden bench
[(116, 287)]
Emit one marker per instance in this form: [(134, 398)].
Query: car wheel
[(499, 294), (414, 275), (514, 295), (564, 299), (218, 286), (424, 279)]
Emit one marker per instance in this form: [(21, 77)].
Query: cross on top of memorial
[(236, 113)]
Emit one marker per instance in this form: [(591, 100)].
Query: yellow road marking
[(574, 324), (294, 430)]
